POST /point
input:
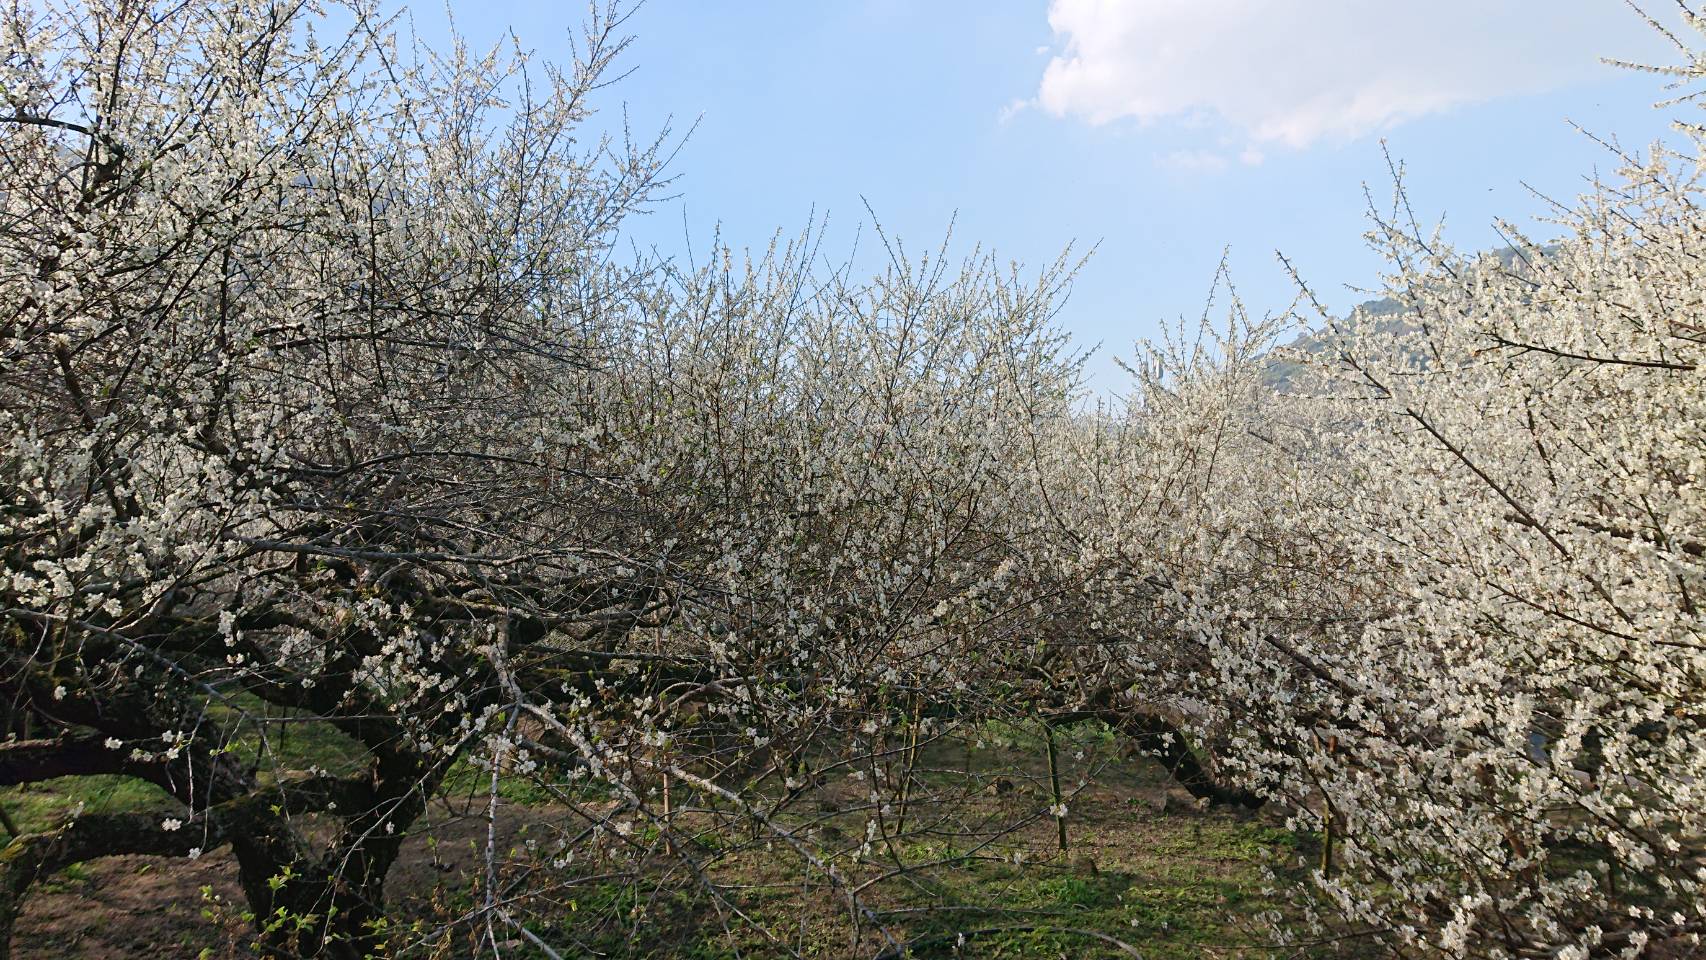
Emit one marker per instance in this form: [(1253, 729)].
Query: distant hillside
[(1281, 373), (1385, 315)]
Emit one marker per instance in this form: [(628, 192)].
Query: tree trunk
[(332, 906), (326, 908)]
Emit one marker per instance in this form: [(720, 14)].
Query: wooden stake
[(1054, 785), (668, 820)]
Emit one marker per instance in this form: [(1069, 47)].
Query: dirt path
[(127, 908), (140, 908)]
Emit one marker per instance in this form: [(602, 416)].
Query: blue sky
[(1158, 131)]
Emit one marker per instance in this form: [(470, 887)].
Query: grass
[(1179, 884), (1171, 883), (45, 805), (1153, 901), (1156, 900), (288, 746)]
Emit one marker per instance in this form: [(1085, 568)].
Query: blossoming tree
[(1438, 598), (326, 410)]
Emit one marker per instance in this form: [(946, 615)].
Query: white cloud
[(1298, 71)]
